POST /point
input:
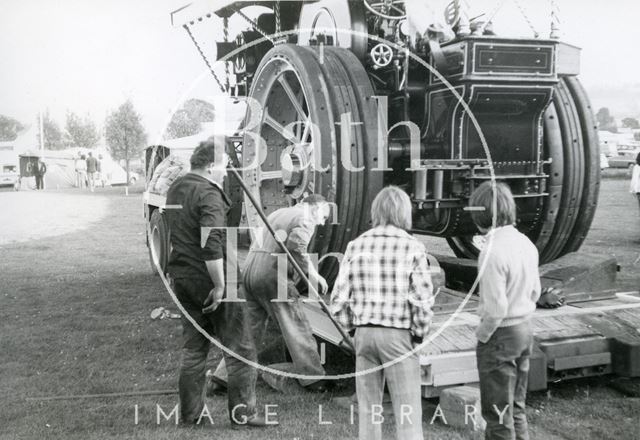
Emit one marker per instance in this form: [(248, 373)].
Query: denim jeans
[(503, 367), (376, 346), (229, 325)]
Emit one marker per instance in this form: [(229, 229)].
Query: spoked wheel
[(389, 9), (571, 141), (314, 131)]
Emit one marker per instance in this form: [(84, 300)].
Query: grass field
[(74, 319)]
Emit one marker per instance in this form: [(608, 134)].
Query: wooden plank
[(585, 360)]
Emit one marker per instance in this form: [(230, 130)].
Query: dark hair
[(482, 201), (205, 152), (638, 159), (82, 156), (314, 199)]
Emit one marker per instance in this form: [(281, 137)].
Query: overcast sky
[(91, 55)]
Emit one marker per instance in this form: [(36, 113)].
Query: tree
[(606, 122), (9, 128), (188, 120), (125, 134), (52, 134), (82, 131), (630, 123)]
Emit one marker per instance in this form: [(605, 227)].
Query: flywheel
[(571, 141), (312, 129)]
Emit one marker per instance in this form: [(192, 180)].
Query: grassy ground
[(74, 319)]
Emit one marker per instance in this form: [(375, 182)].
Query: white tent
[(60, 163)]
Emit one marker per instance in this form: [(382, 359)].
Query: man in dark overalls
[(196, 201)]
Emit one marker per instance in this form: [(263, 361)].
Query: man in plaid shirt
[(384, 292)]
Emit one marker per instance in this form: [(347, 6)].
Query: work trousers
[(261, 286), (503, 366), (39, 181), (376, 346), (229, 325)]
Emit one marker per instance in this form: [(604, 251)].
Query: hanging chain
[(526, 18), (255, 26), (277, 13), (225, 30), (204, 57)]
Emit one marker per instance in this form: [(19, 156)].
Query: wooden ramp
[(577, 340)]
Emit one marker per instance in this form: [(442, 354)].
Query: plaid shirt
[(384, 280)]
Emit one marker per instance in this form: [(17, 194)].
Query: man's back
[(290, 220), (510, 263), (198, 203), (92, 164), (296, 229)]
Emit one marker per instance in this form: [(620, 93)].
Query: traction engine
[(344, 97)]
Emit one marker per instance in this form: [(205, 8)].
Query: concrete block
[(461, 408), (625, 353)]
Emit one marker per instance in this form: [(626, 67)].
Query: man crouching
[(198, 201)]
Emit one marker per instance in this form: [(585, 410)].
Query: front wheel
[(158, 242)]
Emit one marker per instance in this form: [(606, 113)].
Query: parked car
[(9, 176), (624, 159)]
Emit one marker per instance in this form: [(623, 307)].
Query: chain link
[(204, 57), (555, 20), (255, 26), (225, 30), (277, 13), (526, 18)]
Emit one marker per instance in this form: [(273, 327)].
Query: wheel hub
[(295, 162)]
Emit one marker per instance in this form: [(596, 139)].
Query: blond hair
[(482, 200), (391, 206)]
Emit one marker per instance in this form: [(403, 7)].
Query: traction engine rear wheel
[(314, 117), (571, 141)]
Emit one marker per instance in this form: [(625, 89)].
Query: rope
[(255, 26), (204, 57), (225, 30)]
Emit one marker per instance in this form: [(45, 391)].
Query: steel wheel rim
[(281, 63)]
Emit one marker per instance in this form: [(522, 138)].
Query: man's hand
[(213, 300), (317, 279), (324, 287), (551, 298)]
